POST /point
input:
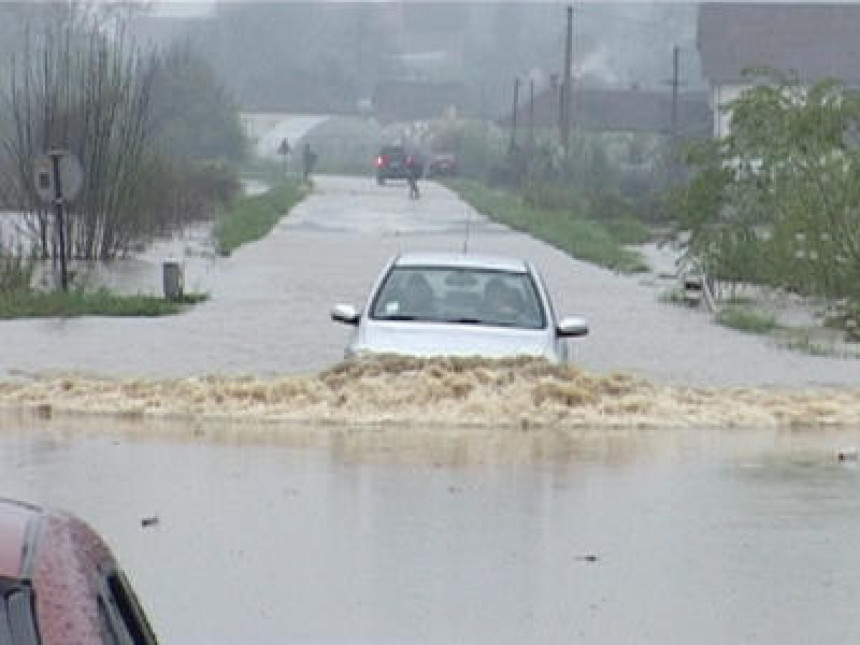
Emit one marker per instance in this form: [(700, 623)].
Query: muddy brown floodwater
[(519, 394), (681, 483)]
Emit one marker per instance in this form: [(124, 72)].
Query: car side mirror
[(571, 326), (346, 314)]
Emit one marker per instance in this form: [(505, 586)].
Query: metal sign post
[(61, 227), (55, 172)]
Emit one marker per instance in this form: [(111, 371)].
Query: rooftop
[(814, 40)]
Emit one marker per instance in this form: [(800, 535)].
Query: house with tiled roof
[(813, 41)]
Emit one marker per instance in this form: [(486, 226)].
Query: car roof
[(59, 554), (463, 260)]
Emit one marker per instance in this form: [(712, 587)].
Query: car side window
[(107, 624), (17, 619), (125, 617), (406, 293)]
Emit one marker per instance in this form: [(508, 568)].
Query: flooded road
[(679, 484), (290, 535), (269, 308)]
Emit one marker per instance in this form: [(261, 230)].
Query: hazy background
[(325, 57)]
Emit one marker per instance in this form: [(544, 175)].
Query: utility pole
[(360, 26), (513, 144), (531, 115), (675, 129), (675, 83), (566, 83)]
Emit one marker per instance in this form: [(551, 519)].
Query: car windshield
[(475, 296)]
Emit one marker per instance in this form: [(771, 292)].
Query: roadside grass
[(250, 218), (815, 343), (39, 304), (353, 168), (263, 170), (581, 237), (743, 319), (804, 343)]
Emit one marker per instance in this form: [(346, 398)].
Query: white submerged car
[(448, 304)]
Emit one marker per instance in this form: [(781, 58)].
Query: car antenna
[(468, 222)]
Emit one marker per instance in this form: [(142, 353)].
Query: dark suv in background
[(393, 162), (442, 164)]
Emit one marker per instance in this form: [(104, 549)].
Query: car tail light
[(380, 161)]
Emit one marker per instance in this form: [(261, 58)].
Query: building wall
[(721, 95)]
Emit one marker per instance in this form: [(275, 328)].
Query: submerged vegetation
[(40, 304), (746, 319), (16, 273), (157, 137), (20, 299)]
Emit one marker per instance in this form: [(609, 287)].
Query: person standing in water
[(309, 158), (413, 168)]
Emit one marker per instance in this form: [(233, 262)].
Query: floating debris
[(848, 454), (147, 522)]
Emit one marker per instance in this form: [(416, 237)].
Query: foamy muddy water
[(525, 394)]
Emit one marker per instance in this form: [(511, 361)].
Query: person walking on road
[(309, 158), (413, 168)]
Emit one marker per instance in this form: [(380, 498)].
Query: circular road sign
[(71, 176)]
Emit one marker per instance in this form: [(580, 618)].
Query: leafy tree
[(777, 201)]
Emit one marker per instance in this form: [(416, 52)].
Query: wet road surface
[(291, 536), (271, 533), (270, 302)]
